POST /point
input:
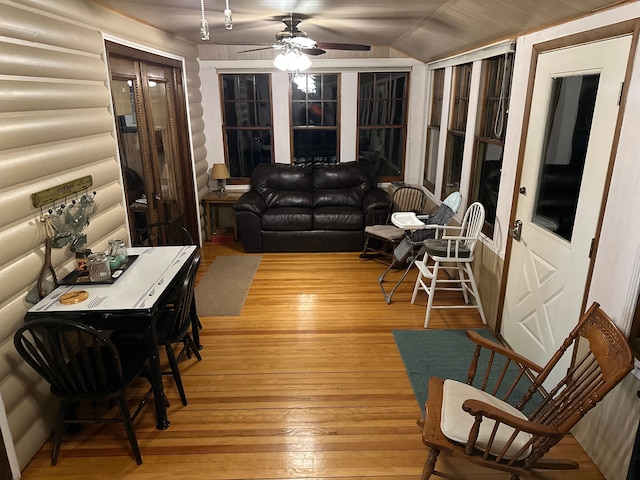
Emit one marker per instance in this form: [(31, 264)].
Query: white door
[(571, 126)]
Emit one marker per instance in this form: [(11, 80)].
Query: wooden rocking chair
[(473, 422)]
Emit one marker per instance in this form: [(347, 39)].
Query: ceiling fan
[(294, 38)]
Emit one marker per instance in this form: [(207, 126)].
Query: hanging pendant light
[(204, 26)]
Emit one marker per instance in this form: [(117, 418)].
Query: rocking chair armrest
[(478, 407), (478, 339)]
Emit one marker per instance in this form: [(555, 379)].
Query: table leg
[(151, 339), (207, 207)]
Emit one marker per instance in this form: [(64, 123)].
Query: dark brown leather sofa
[(309, 208)]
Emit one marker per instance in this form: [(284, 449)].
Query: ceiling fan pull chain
[(228, 23)]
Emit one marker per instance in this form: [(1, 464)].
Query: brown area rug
[(223, 289)]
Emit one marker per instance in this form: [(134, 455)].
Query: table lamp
[(220, 173)]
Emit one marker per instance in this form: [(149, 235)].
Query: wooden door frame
[(598, 34), (182, 142)]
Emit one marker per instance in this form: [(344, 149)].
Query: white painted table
[(132, 302)]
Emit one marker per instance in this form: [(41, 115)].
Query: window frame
[(456, 132), (432, 145), (310, 128), (381, 119), (496, 72), (244, 180)]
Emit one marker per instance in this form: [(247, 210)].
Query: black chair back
[(81, 364), (180, 312), (163, 233), (77, 360)]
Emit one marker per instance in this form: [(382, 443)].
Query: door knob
[(516, 231)]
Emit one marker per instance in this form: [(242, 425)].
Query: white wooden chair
[(452, 251)]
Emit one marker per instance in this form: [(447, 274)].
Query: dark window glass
[(457, 126), (247, 123), (433, 130), (568, 130), (492, 115), (382, 122), (314, 118)]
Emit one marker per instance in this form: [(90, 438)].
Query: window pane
[(568, 130), (382, 103), (457, 129), (315, 146), (494, 106), (433, 130), (246, 149), (453, 164), (433, 141), (487, 178), (246, 106), (383, 148), (314, 117)]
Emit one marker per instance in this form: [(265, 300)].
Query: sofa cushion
[(338, 196), (338, 218), (283, 185), (350, 175), (287, 219)]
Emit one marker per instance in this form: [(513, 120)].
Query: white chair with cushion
[(452, 251)]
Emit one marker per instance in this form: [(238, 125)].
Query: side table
[(216, 199)]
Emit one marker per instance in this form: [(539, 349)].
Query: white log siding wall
[(55, 126)]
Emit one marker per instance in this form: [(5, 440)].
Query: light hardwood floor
[(306, 383)]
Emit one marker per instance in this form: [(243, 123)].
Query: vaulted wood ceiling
[(424, 29)]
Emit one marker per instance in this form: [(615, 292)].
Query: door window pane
[(569, 119)]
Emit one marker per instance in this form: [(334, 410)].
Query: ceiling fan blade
[(312, 51), (343, 46), (256, 49)]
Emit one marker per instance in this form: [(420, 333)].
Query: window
[(382, 122), (489, 147), (433, 130), (247, 125), (314, 118), (456, 133)]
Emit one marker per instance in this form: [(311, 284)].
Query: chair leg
[(416, 288), (59, 428), (431, 291), (474, 290), (464, 280), (176, 373), (128, 426), (430, 464)]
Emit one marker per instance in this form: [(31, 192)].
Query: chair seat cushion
[(438, 248), (456, 424), (390, 233)]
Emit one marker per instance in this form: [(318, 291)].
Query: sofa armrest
[(250, 202), (376, 201)]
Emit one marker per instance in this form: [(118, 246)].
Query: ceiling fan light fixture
[(303, 42), (292, 60)]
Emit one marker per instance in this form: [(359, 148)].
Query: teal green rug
[(447, 354)]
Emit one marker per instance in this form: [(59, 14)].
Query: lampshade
[(292, 60), (219, 171)]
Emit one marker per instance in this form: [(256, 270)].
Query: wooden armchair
[(478, 423)]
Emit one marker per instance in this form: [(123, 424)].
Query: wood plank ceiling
[(423, 29)]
